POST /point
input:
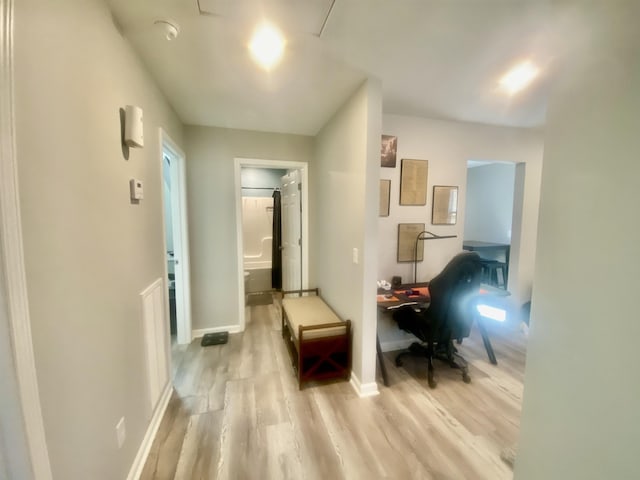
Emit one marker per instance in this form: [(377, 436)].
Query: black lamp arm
[(421, 236)]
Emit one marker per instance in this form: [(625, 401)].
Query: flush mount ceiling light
[(267, 46), (170, 29), (519, 77)]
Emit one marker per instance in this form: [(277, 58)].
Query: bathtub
[(257, 267), (255, 260)]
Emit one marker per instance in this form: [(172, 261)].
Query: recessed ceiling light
[(519, 77), (267, 46)]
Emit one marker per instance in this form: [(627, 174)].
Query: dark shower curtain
[(276, 254)]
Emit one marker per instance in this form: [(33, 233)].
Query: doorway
[(490, 211), (494, 217), (261, 233), (176, 240), (259, 250)]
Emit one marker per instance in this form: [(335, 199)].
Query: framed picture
[(413, 182), (407, 234), (385, 195), (388, 150), (445, 205)]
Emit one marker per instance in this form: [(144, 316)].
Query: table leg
[(486, 341), (383, 368)]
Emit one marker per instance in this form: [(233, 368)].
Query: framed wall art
[(385, 195), (413, 182), (407, 235), (388, 149), (445, 205)]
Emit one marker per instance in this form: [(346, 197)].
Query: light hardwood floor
[(237, 413)]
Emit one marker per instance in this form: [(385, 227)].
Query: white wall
[(265, 179), (489, 206), (212, 218), (448, 146), (345, 209), (88, 250), (580, 414), (14, 453)]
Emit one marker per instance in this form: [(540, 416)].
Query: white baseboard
[(202, 331), (399, 344), (363, 390), (147, 441)]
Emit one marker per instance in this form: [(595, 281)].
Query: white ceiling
[(435, 58)]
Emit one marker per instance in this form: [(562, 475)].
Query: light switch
[(355, 256)]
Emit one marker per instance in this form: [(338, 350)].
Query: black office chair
[(448, 316)]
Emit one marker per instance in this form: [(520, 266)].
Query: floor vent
[(218, 338)]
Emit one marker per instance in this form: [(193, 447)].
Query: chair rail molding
[(12, 266)]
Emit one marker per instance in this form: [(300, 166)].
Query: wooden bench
[(318, 340)]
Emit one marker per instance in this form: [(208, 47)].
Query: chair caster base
[(466, 378)]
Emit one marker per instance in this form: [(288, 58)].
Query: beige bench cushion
[(310, 311)]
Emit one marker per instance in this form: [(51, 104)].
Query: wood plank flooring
[(237, 413)]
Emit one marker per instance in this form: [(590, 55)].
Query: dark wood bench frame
[(317, 358)]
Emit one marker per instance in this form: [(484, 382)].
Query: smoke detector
[(170, 29)]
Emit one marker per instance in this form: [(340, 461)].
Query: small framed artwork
[(385, 195), (407, 235), (413, 182), (445, 205), (388, 150)]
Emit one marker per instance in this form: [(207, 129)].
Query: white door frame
[(239, 164), (14, 306), (180, 227)]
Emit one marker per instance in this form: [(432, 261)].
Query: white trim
[(363, 390), (303, 167), (181, 241), (153, 301), (12, 258), (398, 344), (157, 282), (152, 429), (201, 332)]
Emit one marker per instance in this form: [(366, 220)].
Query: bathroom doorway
[(259, 188)]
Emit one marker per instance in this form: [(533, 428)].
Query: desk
[(421, 298), (409, 294), (392, 299)]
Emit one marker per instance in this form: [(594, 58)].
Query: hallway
[(237, 413)]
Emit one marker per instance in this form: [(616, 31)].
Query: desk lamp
[(421, 236)]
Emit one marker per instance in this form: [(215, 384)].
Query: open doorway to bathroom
[(260, 191), (264, 215)]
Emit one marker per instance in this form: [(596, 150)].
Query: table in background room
[(491, 249)]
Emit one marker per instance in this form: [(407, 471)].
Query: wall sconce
[(133, 131)]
